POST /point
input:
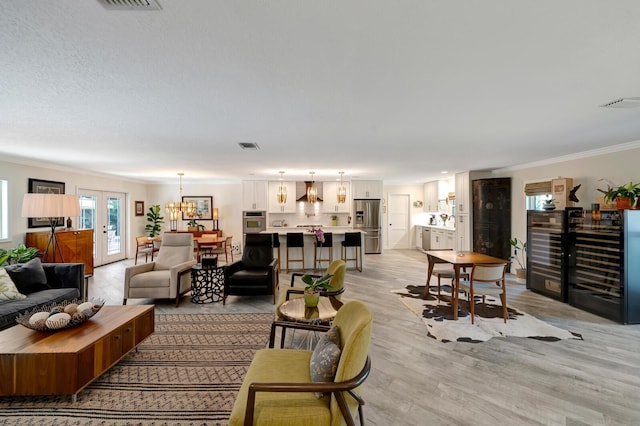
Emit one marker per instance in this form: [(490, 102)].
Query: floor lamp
[(51, 206)]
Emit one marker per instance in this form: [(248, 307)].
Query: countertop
[(446, 228), (338, 230)]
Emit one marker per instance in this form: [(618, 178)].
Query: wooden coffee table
[(65, 362)]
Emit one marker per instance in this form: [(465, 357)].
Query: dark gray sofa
[(66, 281)]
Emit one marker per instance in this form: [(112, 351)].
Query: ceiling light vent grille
[(249, 145), (623, 103), (130, 4)]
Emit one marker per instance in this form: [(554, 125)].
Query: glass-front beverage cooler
[(605, 278), (549, 251)]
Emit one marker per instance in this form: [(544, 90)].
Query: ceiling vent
[(623, 103), (130, 4), (249, 145)]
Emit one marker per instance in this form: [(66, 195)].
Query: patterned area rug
[(438, 317), (187, 373)]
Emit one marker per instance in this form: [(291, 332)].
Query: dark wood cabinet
[(492, 217), (76, 246)]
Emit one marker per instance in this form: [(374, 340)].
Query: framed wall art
[(40, 186), (139, 208), (204, 208)]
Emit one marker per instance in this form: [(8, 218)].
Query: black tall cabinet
[(492, 217), (605, 278), (550, 251)]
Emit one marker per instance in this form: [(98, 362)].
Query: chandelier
[(341, 194), (312, 190), (281, 193), (174, 208)]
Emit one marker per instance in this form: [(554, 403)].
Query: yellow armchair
[(278, 391)]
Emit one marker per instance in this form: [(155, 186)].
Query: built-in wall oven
[(254, 222)]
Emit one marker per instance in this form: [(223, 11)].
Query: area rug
[(437, 315), (187, 373)]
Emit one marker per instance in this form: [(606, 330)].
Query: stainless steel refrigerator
[(368, 218)]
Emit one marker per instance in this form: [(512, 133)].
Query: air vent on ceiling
[(249, 145), (623, 103), (130, 4)]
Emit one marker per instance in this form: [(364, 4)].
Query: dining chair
[(487, 280), (447, 272), (144, 246), (225, 249)]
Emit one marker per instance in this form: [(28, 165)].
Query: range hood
[(301, 190)]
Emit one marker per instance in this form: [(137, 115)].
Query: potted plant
[(549, 204), (153, 228), (520, 255), (19, 254), (314, 287), (192, 226), (625, 196)]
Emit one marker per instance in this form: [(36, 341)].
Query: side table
[(294, 311), (207, 284)]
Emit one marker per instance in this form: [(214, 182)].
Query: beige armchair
[(168, 276)]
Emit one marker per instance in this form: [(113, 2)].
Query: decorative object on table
[(625, 196), (194, 226), (139, 208), (572, 193), (444, 217), (437, 317), (334, 220), (18, 254), (154, 220), (549, 204), (215, 218), (182, 206), (55, 207), (520, 256), (313, 287), (58, 316)]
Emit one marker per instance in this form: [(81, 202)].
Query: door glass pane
[(114, 226), (88, 216)]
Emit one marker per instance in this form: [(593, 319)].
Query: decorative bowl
[(59, 316)]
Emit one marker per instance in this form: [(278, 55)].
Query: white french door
[(398, 235), (104, 212)]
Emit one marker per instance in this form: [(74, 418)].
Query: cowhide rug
[(438, 317)]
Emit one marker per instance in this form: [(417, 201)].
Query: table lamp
[(215, 219), (51, 206)]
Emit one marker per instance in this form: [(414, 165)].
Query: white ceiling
[(393, 90)]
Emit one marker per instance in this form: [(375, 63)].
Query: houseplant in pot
[(520, 256), (314, 287), (154, 220), (625, 196)]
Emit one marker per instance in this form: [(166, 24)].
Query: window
[(4, 209), (534, 202)]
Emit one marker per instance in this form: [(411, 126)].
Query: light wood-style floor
[(418, 381)]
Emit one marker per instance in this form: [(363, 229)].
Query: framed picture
[(39, 186), (204, 208), (139, 208)]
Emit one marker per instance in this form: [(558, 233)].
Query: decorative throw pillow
[(8, 290), (325, 358), (29, 277)]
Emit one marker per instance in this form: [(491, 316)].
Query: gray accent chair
[(168, 277)]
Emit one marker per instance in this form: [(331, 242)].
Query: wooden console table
[(65, 362)]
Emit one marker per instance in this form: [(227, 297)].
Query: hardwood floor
[(417, 380)]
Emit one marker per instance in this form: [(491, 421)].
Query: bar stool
[(276, 245), (353, 239), (317, 252), (295, 240)]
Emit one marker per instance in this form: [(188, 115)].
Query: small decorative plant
[(315, 285), (630, 191), (153, 228), (519, 252), (19, 254)]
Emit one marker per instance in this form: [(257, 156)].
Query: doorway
[(104, 212), (399, 235)]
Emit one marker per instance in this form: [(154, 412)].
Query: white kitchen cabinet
[(254, 195), (367, 188), (442, 239), (450, 239), (463, 232), (330, 198), (419, 237), (290, 205), (463, 197), (431, 196)]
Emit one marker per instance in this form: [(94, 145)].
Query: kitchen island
[(309, 237)]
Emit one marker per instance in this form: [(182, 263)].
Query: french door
[(104, 212)]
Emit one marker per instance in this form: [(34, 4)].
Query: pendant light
[(174, 208), (341, 193), (281, 194), (312, 190)]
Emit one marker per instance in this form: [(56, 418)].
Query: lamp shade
[(50, 205)]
